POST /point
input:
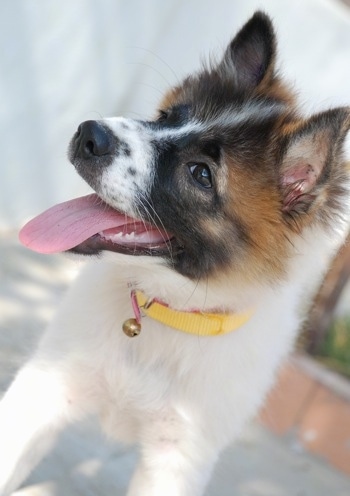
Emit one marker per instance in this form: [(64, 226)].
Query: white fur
[(117, 187), (181, 397), (115, 182)]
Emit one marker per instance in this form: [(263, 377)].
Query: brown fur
[(254, 193), (258, 208)]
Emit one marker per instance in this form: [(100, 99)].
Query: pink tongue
[(70, 223)]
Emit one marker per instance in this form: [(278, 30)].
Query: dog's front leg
[(176, 459), (36, 406)]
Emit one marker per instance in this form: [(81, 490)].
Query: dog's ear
[(312, 169), (250, 56)]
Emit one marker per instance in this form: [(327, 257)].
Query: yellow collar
[(192, 322)]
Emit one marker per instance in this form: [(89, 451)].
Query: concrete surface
[(83, 463)]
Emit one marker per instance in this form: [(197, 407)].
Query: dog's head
[(225, 176)]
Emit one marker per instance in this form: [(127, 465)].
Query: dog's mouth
[(87, 225)]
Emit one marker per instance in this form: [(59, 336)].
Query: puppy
[(213, 223)]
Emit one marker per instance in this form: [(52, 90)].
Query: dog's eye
[(163, 115), (201, 174)]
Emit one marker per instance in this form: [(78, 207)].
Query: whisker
[(161, 60), (140, 217), (192, 293), (149, 209), (143, 64), (151, 87)]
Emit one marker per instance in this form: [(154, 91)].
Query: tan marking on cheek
[(221, 180), (214, 229)]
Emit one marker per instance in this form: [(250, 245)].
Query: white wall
[(64, 61)]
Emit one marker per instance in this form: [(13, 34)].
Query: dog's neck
[(189, 321)]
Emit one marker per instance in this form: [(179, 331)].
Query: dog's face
[(226, 174)]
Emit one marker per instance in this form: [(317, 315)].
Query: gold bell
[(131, 328)]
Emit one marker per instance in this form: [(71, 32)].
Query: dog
[(210, 227)]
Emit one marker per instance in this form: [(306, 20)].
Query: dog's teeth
[(111, 237), (115, 237), (119, 236)]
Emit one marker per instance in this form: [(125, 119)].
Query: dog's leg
[(36, 406), (176, 459)]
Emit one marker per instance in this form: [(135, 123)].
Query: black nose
[(92, 140)]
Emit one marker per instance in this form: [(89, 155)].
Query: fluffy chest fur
[(135, 382)]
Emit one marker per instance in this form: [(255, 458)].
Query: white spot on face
[(130, 176), (250, 112), (118, 186)]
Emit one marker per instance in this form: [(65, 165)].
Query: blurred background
[(63, 62)]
